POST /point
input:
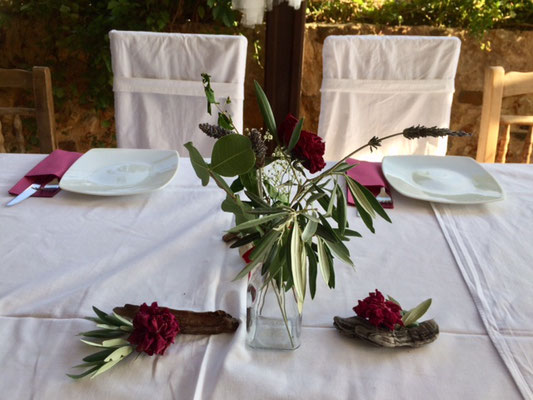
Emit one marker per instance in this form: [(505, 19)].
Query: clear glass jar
[(272, 317)]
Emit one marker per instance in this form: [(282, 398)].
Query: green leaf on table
[(266, 111), (411, 316), (200, 166), (295, 136), (125, 321), (115, 342), (84, 373), (232, 155), (100, 356), (106, 367), (103, 333), (119, 353)]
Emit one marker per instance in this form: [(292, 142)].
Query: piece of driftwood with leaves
[(191, 322), (414, 336)]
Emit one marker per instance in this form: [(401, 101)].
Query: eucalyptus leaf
[(236, 185), (198, 163), (249, 181), (414, 315), (232, 155), (266, 111)]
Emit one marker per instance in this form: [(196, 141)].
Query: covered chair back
[(380, 85), (159, 96)]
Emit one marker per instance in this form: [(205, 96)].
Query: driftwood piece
[(416, 336), (191, 322)]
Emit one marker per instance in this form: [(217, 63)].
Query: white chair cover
[(159, 96), (380, 85)]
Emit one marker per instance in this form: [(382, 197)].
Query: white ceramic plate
[(450, 179), (117, 172)]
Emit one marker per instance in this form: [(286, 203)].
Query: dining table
[(61, 256)]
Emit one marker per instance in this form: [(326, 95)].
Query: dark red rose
[(310, 147), (379, 312), (154, 329)]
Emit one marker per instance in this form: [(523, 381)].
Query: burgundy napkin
[(370, 175), (53, 166)]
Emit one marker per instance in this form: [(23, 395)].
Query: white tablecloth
[(62, 255)]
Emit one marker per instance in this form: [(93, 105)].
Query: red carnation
[(154, 329), (379, 312), (310, 147)]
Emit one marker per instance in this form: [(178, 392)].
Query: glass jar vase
[(272, 317)]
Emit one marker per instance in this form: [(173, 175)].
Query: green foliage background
[(80, 28)]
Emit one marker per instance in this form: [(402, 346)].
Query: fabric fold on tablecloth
[(499, 277), (52, 167), (370, 175)]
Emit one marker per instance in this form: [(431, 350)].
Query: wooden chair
[(39, 81), (498, 85)]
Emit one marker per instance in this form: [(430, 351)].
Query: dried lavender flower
[(214, 131), (416, 132), (259, 147)]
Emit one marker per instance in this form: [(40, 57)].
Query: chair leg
[(528, 147), (2, 148), (503, 145), (17, 127)]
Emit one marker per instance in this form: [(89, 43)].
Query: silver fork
[(383, 197)]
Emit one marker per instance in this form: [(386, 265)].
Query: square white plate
[(450, 179), (117, 172)]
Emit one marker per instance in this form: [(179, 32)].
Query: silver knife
[(30, 191)]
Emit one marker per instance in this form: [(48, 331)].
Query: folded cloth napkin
[(52, 167), (370, 175)]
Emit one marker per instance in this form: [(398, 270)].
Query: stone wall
[(81, 127)]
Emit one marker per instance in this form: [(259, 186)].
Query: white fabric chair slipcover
[(159, 97), (379, 85)]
